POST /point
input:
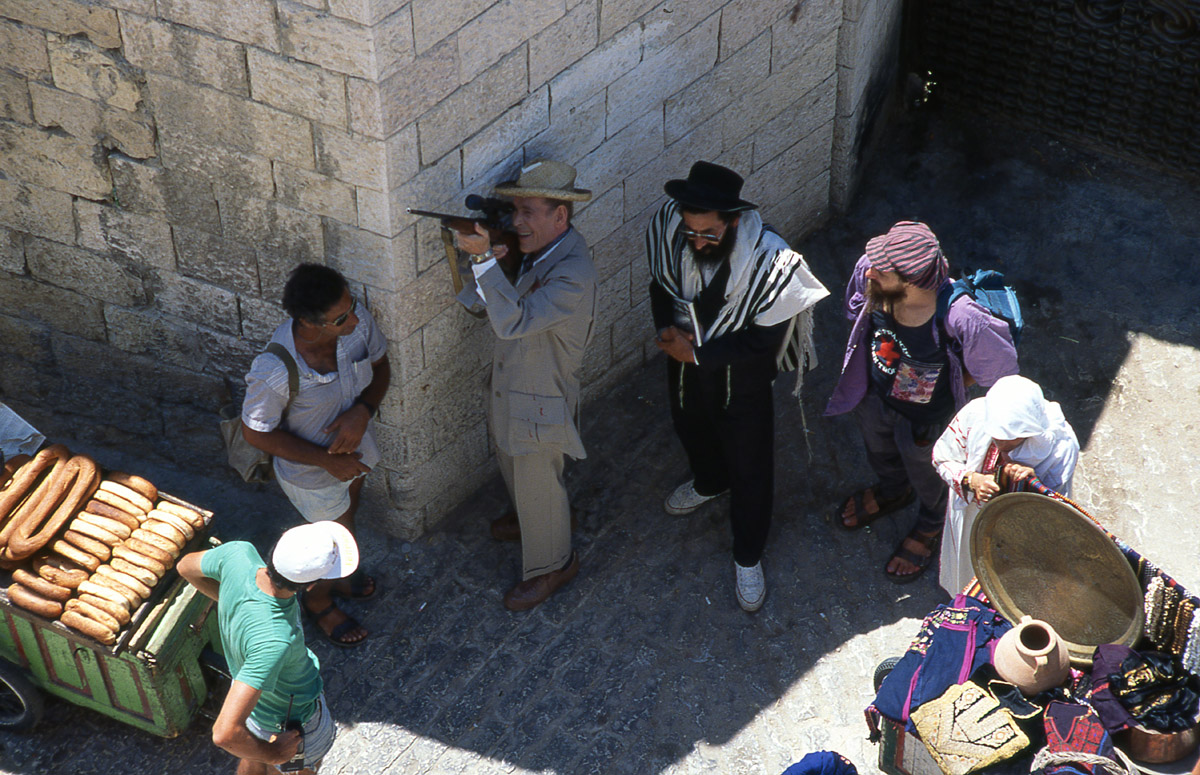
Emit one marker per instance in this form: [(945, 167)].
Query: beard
[(711, 256), (880, 298)]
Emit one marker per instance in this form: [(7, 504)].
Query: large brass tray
[(1038, 556)]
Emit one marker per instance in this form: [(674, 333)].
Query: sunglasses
[(713, 238), (342, 318)]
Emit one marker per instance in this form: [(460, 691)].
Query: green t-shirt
[(262, 637)]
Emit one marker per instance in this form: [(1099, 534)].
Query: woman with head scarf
[(1013, 431)]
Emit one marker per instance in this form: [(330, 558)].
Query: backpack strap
[(280, 352)]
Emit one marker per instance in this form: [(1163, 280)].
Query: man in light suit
[(543, 322)]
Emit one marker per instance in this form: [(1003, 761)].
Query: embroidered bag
[(250, 462), (966, 730)]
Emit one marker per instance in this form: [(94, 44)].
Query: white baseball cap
[(319, 550)]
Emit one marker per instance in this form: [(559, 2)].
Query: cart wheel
[(882, 670), (20, 701)]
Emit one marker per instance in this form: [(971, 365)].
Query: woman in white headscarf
[(1013, 430)]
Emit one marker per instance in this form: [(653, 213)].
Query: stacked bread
[(39, 496), (112, 554)]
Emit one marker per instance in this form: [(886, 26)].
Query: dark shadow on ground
[(646, 655)]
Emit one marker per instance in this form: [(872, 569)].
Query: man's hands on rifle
[(677, 344), (478, 243)]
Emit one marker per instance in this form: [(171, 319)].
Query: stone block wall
[(165, 163)]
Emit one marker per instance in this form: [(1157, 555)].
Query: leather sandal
[(336, 635), (885, 505), (929, 542)]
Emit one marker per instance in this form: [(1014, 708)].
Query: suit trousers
[(535, 485), (725, 419), (899, 461)]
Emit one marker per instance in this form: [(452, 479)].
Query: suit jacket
[(543, 325)]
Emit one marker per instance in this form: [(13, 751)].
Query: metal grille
[(1124, 74)]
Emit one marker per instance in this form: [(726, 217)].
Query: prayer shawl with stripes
[(768, 283)]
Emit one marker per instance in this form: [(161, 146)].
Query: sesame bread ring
[(117, 611), (60, 571), (97, 549), (150, 551), (94, 612), (102, 509), (191, 515), (127, 554), (141, 486), (94, 531), (130, 596), (137, 587), (117, 502), (157, 539), (105, 592), (42, 587), (32, 601), (166, 530), (116, 527), (76, 555), (89, 627), (121, 491), (144, 575), (174, 520)]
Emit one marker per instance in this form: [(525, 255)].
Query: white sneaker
[(685, 499), (751, 586)]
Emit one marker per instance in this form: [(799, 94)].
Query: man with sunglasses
[(321, 437), (732, 306)]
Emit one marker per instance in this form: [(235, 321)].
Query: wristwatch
[(482, 258)]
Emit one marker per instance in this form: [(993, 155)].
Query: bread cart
[(152, 678)]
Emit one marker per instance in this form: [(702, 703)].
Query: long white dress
[(1014, 408)]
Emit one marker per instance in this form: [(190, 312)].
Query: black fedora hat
[(709, 187)]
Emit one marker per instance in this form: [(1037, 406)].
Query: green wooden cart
[(152, 678)]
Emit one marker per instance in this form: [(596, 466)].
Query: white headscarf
[(1015, 408)]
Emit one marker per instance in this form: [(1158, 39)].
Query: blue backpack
[(987, 288)]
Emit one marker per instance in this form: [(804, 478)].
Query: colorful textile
[(911, 250), (966, 729), (1131, 688), (822, 763), (1075, 728), (954, 641)]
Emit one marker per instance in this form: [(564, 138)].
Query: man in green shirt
[(277, 690)]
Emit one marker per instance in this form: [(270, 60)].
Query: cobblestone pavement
[(645, 664)]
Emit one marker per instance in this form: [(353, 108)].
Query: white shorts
[(321, 505), (319, 732)]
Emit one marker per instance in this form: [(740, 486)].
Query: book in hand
[(687, 319)]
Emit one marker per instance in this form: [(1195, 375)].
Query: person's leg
[(932, 495), (696, 427), (747, 433), (544, 511), (877, 425), (247, 767), (319, 597)]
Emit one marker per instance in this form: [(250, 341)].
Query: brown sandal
[(929, 542), (885, 505)]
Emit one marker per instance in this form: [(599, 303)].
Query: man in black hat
[(732, 306)]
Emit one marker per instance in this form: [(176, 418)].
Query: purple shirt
[(981, 343)]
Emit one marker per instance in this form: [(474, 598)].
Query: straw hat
[(544, 178)]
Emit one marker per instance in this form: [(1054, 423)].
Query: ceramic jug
[(1032, 656)]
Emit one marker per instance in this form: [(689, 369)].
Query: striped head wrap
[(910, 249)]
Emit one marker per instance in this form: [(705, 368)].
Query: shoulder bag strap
[(280, 352)]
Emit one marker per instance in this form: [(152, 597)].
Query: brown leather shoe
[(508, 527), (531, 593)]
